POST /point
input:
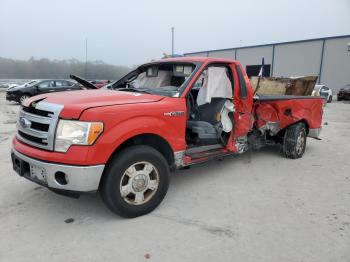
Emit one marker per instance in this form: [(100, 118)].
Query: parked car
[(123, 140), (323, 91), (344, 93), (37, 87), (11, 86)]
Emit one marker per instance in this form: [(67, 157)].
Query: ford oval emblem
[(24, 122)]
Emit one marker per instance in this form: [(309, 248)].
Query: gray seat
[(208, 128)]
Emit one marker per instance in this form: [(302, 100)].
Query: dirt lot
[(254, 207)]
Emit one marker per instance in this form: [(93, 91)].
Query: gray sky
[(132, 32)]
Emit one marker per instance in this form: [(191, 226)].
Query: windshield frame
[(139, 69)]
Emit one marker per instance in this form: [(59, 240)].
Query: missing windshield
[(158, 78)]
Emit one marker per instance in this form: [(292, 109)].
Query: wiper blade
[(131, 89)]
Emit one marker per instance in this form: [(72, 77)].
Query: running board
[(207, 154), (200, 149)]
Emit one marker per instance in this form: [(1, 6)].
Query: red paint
[(126, 115)]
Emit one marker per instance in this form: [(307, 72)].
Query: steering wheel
[(191, 106)]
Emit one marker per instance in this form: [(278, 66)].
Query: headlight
[(71, 132)]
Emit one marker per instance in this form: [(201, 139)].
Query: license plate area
[(37, 173), (30, 171)]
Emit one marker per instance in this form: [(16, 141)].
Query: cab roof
[(196, 59)]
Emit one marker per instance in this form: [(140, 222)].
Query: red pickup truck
[(124, 139)]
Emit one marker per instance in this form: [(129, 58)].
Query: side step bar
[(204, 151)]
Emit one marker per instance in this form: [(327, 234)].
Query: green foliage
[(46, 68)]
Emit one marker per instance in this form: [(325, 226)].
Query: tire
[(339, 99), (126, 172), (294, 142), (330, 99), (22, 98)]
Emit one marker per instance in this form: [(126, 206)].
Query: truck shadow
[(209, 169), (90, 207)]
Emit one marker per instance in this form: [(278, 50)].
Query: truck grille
[(37, 123)]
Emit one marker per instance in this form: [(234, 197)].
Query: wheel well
[(280, 134), (306, 125), (155, 141)]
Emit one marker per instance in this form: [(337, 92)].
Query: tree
[(46, 68)]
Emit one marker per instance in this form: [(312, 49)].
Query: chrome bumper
[(314, 132), (58, 176)]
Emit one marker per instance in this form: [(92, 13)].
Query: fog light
[(61, 178)]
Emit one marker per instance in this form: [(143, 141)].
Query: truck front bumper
[(11, 96), (58, 176)]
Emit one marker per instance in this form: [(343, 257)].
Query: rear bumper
[(58, 176), (314, 132)]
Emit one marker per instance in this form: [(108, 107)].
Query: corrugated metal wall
[(253, 55), (197, 54), (298, 58), (223, 54), (336, 63)]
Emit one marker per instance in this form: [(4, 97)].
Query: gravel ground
[(254, 207)]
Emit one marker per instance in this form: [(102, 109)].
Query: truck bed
[(275, 112), (261, 97)]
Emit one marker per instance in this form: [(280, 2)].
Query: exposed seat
[(208, 128)]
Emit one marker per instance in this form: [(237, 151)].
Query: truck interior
[(162, 79), (210, 110)]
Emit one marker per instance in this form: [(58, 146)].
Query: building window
[(253, 70)]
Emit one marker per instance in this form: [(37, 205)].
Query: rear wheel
[(294, 142), (330, 99), (135, 182), (339, 99)]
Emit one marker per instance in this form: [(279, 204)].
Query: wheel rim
[(300, 142), (22, 98), (139, 183)]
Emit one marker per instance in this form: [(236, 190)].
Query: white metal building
[(328, 57)]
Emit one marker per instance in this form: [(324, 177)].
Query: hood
[(12, 86), (346, 88), (75, 102), (83, 82), (16, 88)]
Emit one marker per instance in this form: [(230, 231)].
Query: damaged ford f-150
[(125, 139)]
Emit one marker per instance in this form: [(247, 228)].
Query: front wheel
[(135, 181), (294, 142), (23, 98)]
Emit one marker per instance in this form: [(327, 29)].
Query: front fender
[(114, 137)]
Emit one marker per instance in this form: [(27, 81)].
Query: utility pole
[(86, 56), (172, 41)]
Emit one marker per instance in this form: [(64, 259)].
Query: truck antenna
[(172, 41), (261, 74)]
